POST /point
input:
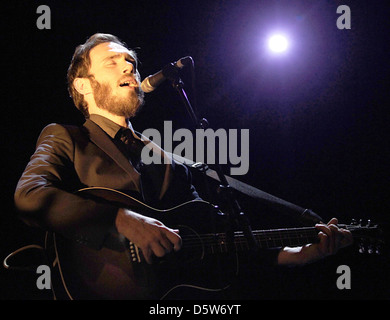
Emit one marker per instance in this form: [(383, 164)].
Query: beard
[(120, 106)]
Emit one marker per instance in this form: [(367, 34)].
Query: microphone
[(151, 82)]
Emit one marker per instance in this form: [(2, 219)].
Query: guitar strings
[(275, 236)]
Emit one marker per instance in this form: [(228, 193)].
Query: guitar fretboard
[(273, 238)]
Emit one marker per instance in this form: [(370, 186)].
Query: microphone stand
[(235, 214)]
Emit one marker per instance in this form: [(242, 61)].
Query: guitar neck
[(286, 237), (266, 239)]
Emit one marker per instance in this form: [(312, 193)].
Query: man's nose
[(128, 67)]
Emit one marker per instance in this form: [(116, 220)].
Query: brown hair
[(80, 64)]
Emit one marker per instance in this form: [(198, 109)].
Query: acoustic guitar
[(207, 260)]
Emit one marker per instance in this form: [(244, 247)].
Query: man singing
[(104, 83)]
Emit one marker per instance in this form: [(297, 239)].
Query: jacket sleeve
[(45, 196), (181, 188)]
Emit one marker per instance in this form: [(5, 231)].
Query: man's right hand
[(149, 234)]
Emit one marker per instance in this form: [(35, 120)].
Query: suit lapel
[(157, 177), (100, 139)]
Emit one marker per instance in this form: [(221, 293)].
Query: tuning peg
[(353, 222), (368, 223)]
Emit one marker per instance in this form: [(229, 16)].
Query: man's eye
[(111, 63)]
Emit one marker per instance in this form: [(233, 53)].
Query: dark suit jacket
[(68, 158)]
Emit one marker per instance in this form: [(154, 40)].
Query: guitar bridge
[(135, 254)]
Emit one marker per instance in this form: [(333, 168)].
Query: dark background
[(318, 115)]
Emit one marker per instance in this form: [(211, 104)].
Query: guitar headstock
[(367, 235)]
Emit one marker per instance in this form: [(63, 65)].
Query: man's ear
[(82, 85)]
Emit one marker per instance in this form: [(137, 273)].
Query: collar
[(108, 126)]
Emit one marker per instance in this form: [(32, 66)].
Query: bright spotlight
[(278, 43)]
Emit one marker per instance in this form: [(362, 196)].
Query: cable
[(31, 246), (57, 260)]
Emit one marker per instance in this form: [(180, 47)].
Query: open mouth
[(128, 83)]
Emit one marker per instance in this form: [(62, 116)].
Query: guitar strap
[(306, 216)]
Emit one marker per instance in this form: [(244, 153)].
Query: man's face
[(115, 81)]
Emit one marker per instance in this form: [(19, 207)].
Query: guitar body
[(84, 273), (119, 271)]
